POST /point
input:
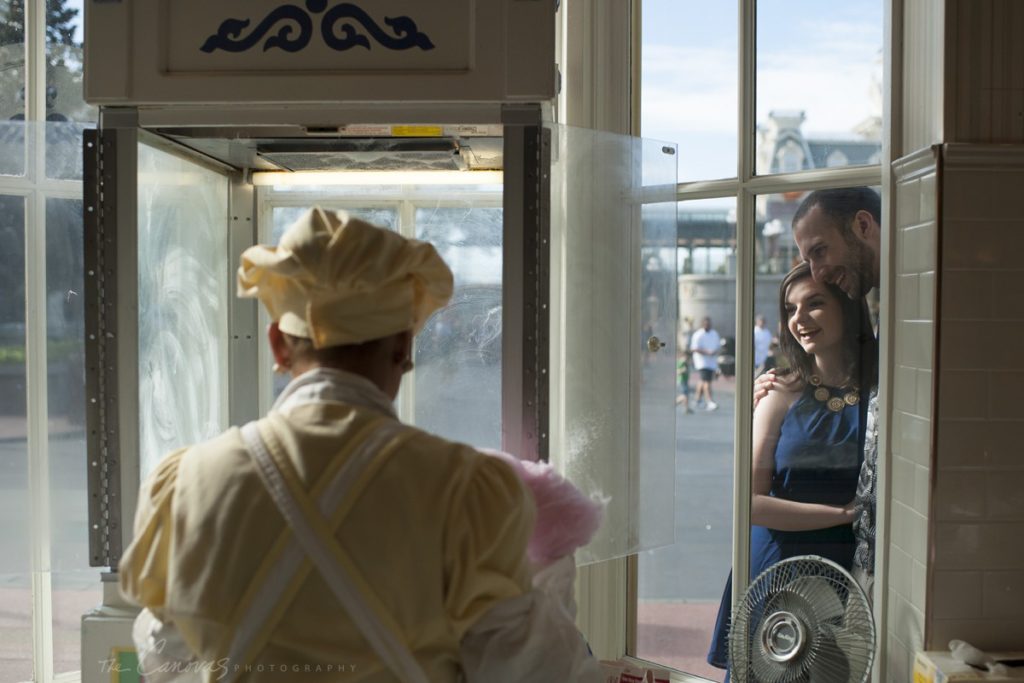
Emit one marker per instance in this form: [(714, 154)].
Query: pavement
[(680, 585)]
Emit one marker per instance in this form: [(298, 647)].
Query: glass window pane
[(75, 587), (12, 59), (15, 577), (284, 216), (689, 83), (65, 21), (819, 84), (680, 586), (458, 354), (64, 150), (13, 148), (183, 291)]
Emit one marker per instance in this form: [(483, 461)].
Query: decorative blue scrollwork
[(406, 36), (229, 31), (229, 34)]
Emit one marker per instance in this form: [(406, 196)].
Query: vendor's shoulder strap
[(313, 531)]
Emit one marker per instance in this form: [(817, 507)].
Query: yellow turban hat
[(338, 280)]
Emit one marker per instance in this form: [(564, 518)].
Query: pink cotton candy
[(566, 517)]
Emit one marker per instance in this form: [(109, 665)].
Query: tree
[(60, 23)]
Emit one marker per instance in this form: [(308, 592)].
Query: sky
[(79, 19), (819, 57)]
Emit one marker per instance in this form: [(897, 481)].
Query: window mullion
[(38, 458), (407, 391), (35, 59), (745, 240)]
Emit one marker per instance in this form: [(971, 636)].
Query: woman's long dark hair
[(860, 348)]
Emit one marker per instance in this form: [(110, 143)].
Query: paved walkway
[(680, 586)]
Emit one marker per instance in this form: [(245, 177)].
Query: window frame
[(746, 187), (35, 188)]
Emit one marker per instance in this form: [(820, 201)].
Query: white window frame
[(607, 594), (35, 188)]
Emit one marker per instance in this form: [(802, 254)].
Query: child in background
[(683, 379)]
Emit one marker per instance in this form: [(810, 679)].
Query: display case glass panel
[(613, 330), (183, 294)]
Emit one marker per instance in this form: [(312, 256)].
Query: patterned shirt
[(864, 524)]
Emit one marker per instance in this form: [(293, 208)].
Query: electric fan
[(803, 620)]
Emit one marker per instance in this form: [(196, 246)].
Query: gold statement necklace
[(834, 403)]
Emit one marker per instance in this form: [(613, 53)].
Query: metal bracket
[(526, 287), (101, 352)]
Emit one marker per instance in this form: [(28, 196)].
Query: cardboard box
[(940, 667)]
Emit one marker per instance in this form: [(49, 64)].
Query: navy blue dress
[(817, 460)]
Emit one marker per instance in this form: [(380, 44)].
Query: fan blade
[(858, 649), (828, 662), (820, 594), (765, 670)]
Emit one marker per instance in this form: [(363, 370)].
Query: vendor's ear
[(401, 350), (279, 346)]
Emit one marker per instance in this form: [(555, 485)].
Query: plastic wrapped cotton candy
[(566, 517), (533, 636)]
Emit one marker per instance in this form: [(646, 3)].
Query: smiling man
[(839, 234)]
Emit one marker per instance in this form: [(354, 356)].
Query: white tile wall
[(911, 451), (978, 504), (972, 477)]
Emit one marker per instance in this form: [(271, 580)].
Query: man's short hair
[(841, 205)]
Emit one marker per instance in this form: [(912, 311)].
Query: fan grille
[(802, 620)]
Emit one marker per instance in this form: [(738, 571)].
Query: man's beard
[(859, 264)]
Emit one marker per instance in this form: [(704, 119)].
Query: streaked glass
[(457, 381), (613, 260), (183, 293)]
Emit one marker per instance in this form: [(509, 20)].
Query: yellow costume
[(452, 523), (328, 541)]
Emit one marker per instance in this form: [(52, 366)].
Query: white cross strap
[(323, 551)]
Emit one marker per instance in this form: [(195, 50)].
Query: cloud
[(828, 74)]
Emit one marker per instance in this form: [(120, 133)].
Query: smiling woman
[(807, 435)]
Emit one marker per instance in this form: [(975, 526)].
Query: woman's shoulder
[(777, 404)]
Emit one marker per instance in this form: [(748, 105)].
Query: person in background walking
[(705, 345)]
